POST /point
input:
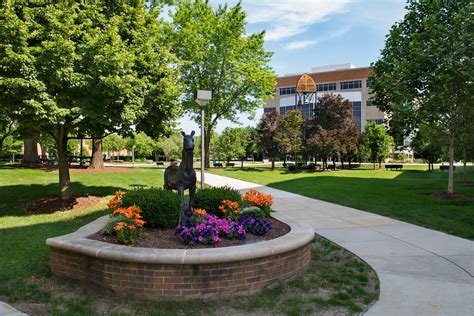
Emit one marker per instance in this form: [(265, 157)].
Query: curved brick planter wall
[(181, 272)]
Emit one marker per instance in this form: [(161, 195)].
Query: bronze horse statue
[(183, 177)]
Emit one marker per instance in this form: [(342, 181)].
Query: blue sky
[(310, 33)]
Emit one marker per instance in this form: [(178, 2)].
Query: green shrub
[(160, 207), (253, 211), (210, 198)]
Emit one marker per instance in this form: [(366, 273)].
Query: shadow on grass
[(406, 197), (13, 198), (245, 169)]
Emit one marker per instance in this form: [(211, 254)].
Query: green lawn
[(338, 280), (404, 195), (22, 243)]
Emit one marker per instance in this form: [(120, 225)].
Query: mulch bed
[(53, 204), (450, 196), (165, 238)]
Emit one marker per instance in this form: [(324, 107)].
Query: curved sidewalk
[(421, 271)]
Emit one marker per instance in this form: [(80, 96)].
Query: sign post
[(202, 98)]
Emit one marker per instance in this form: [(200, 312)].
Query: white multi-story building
[(350, 82)]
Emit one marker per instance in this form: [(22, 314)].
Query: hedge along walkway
[(421, 271)]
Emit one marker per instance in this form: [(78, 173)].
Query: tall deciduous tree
[(426, 146), (171, 146), (267, 131), (87, 68), (113, 144), (216, 54), (378, 142), (424, 75), (332, 130), (350, 144), (290, 133), (141, 144), (233, 143)]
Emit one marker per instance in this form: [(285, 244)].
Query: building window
[(269, 110), (346, 85), (289, 90), (284, 109), (357, 113), (307, 110), (370, 103), (377, 122), (326, 87)]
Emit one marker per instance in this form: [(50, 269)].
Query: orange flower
[(139, 222), (199, 211), (257, 198), (230, 206), (119, 226), (115, 200)]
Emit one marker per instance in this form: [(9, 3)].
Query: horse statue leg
[(192, 196), (181, 201)]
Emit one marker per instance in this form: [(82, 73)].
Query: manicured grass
[(24, 253), (404, 195), (336, 282)]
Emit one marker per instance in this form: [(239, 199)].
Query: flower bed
[(218, 218), (161, 238), (181, 272), (251, 260)]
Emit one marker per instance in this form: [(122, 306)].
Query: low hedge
[(160, 207)]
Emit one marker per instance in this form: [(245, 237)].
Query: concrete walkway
[(7, 310), (421, 271)]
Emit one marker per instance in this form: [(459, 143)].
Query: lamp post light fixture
[(202, 98)]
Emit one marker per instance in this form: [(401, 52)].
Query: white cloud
[(306, 43), (287, 18), (300, 44)]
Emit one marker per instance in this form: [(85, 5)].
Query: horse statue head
[(188, 141)]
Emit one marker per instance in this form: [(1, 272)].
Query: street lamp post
[(133, 156), (202, 98)]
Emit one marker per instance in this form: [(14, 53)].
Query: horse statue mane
[(183, 177)]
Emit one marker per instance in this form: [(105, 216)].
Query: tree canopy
[(378, 142), (267, 131), (216, 54), (289, 135), (86, 68), (424, 75)]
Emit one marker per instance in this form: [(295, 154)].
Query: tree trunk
[(207, 142), (451, 166), (64, 179), (464, 152), (97, 161), (273, 163), (44, 151), (30, 154)]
